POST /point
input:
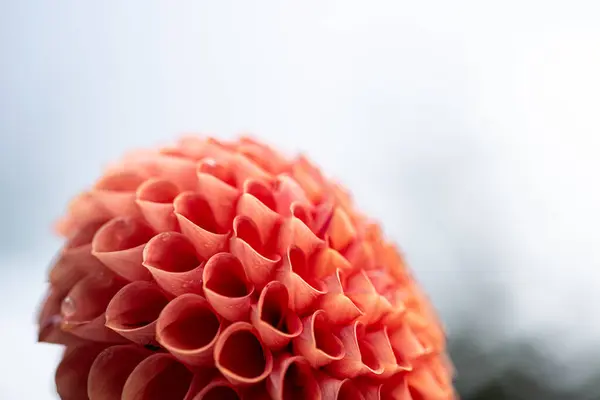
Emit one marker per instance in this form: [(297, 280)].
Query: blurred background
[(470, 129)]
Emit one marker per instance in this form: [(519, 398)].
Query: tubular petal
[(272, 319), (172, 260), (309, 179), (133, 311), (338, 307), (359, 358), (175, 168), (157, 377), (116, 193), (263, 155), (119, 244), (257, 204), (341, 231), (75, 259), (80, 209), (248, 246), (110, 370), (198, 223), (336, 389), (406, 345), (188, 328), (382, 349), (155, 200), (218, 389), (286, 192), (72, 372), (244, 169), (328, 261), (241, 356), (197, 148), (50, 321), (82, 310), (360, 254), (361, 291), (292, 379), (295, 274), (294, 232), (226, 286), (317, 343), (423, 385), (219, 192)]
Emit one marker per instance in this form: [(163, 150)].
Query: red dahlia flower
[(213, 270)]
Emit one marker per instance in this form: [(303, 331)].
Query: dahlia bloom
[(212, 270)]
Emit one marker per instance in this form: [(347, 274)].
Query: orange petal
[(338, 307), (75, 259), (292, 378), (272, 319), (226, 286), (116, 193), (244, 169), (241, 356), (341, 231), (110, 371), (286, 192), (188, 328), (359, 358), (360, 255), (82, 310), (407, 346), (157, 377), (198, 223), (220, 194), (218, 389), (72, 373), (133, 311), (317, 343), (257, 203), (361, 291), (155, 200), (200, 148), (175, 168), (172, 260), (382, 348), (119, 245), (309, 178), (81, 210), (338, 389), (248, 246), (294, 232), (295, 274), (263, 155), (50, 320), (422, 384)]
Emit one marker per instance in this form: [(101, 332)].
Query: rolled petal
[(296, 275), (172, 260), (244, 169), (292, 379), (338, 389), (116, 193), (201, 148), (406, 345), (421, 383), (294, 232), (157, 377), (155, 200), (263, 155), (82, 310), (327, 261), (361, 291), (248, 246), (338, 307), (219, 389), (309, 178), (317, 342), (75, 259), (341, 230), (373, 390), (226, 287), (80, 209), (72, 373), (110, 370), (133, 312), (119, 245), (379, 342), (272, 318), (359, 358), (360, 254), (198, 223), (219, 188), (50, 321), (241, 356), (189, 328), (286, 191), (173, 167), (258, 204)]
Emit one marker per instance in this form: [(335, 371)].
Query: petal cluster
[(223, 270)]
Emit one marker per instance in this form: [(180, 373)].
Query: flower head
[(212, 270)]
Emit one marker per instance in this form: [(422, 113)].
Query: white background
[(471, 130)]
